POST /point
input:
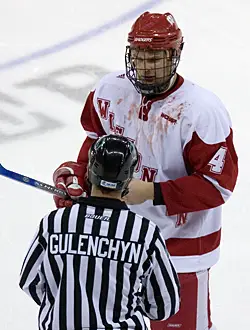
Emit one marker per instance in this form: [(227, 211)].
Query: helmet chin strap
[(171, 82), (170, 85)]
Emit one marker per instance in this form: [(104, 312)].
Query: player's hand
[(139, 192), (69, 176)]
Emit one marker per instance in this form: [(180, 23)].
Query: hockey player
[(96, 264), (187, 162)]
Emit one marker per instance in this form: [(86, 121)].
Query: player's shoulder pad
[(211, 119), (115, 79)]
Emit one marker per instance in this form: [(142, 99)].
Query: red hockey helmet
[(153, 33), (156, 31)]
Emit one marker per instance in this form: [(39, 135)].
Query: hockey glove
[(69, 176)]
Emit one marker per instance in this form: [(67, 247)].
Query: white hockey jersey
[(185, 142)]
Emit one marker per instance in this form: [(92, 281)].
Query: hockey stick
[(32, 182)]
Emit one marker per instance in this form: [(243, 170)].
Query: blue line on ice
[(80, 38)]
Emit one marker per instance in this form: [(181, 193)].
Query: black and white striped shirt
[(97, 265)]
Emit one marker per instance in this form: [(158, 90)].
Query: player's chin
[(151, 81), (147, 80)]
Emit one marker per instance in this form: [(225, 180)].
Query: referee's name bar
[(96, 246)]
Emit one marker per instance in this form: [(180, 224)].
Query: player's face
[(152, 66)]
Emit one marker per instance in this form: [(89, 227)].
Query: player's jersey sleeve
[(95, 118), (211, 163), (90, 120), (161, 296), (92, 126), (32, 280)]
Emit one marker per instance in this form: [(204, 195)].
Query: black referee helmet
[(112, 161)]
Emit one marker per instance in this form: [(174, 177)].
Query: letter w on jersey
[(103, 107)]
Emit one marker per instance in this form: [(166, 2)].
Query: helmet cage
[(150, 34), (158, 85)]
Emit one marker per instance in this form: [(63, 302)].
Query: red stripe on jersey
[(190, 194), (194, 192), (186, 318), (197, 156), (83, 153), (89, 118), (193, 246), (91, 123), (209, 306)]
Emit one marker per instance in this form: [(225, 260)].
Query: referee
[(96, 265)]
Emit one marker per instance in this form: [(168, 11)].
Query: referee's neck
[(105, 193)]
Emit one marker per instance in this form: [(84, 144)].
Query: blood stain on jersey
[(179, 110), (170, 99), (150, 142), (160, 128), (132, 111), (119, 101), (174, 115), (159, 125)]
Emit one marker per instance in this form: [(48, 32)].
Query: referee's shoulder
[(58, 215), (142, 219)]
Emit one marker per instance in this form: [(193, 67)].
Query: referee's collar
[(111, 203)]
